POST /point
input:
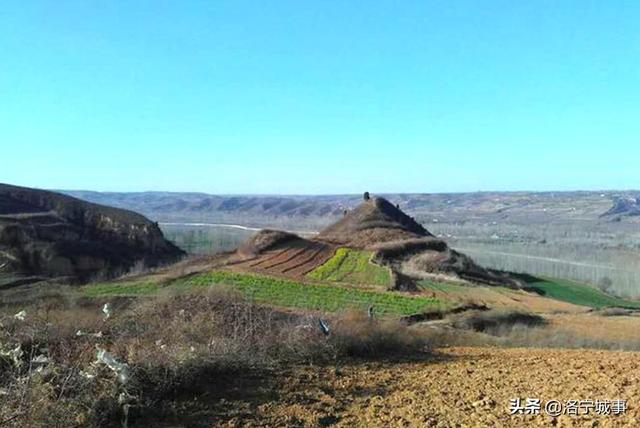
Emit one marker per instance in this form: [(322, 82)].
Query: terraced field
[(560, 296), (352, 266), (294, 259), (282, 292)]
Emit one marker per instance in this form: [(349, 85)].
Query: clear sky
[(320, 96)]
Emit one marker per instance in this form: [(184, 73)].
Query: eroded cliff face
[(47, 234)]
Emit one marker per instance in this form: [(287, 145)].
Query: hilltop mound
[(47, 234), (374, 221), (403, 245), (394, 239)]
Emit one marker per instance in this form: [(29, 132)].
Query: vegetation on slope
[(127, 288), (578, 294), (282, 292), (557, 289), (331, 297), (63, 364), (354, 266)]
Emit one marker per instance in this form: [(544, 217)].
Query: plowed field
[(458, 387), (294, 259)]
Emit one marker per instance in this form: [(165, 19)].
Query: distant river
[(206, 238), (210, 238), (221, 225)]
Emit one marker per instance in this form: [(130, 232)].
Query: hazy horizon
[(353, 193)]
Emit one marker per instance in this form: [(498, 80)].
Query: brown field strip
[(295, 259)]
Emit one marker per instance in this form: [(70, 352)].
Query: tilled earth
[(293, 259), (456, 387)]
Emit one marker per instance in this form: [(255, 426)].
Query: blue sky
[(320, 96)]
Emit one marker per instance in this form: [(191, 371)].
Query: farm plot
[(352, 266), (294, 259), (578, 294), (281, 292)]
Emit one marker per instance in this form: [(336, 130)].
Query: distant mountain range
[(318, 211)]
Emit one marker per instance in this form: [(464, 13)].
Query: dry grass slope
[(176, 348)]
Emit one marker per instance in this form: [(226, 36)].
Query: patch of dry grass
[(173, 344)]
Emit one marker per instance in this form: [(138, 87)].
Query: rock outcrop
[(47, 234)]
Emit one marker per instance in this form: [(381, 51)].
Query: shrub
[(614, 312), (356, 335), (497, 322), (175, 344)]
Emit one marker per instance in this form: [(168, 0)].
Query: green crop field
[(283, 292), (333, 297), (579, 294), (351, 266), (121, 288)]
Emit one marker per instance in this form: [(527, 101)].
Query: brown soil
[(503, 298), (458, 387), (623, 329), (294, 258), (265, 240), (374, 221)]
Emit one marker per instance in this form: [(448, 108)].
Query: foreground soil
[(456, 387)]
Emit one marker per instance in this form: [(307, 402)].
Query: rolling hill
[(263, 210), (376, 227)]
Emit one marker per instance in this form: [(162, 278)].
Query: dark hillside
[(48, 234)]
